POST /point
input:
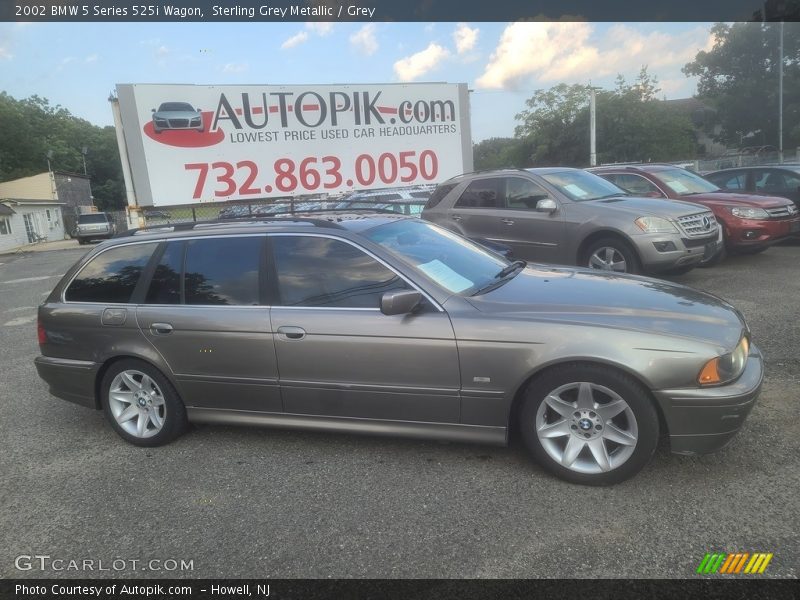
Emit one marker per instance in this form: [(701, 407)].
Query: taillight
[(40, 332)]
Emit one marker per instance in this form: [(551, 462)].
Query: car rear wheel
[(610, 254), (588, 424), (141, 404)]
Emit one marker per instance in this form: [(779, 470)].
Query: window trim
[(7, 221), (274, 296)]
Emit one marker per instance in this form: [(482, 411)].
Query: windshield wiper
[(517, 264), (500, 278)]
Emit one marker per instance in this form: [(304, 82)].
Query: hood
[(734, 199), (615, 300), (640, 207)]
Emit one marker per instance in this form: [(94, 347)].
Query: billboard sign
[(188, 144)]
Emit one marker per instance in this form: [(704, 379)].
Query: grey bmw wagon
[(384, 324)]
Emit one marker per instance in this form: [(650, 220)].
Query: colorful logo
[(734, 564)]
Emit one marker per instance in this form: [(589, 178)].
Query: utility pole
[(84, 150), (780, 93), (592, 128)]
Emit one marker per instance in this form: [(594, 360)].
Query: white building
[(32, 209)]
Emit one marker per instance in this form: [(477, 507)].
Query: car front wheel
[(589, 424), (141, 404), (611, 254)]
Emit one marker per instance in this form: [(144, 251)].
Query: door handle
[(292, 333), (508, 221), (456, 217), (160, 328)]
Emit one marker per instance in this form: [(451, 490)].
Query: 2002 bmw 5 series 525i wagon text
[(384, 324)]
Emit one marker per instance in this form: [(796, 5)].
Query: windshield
[(580, 186), (92, 218), (684, 182), (175, 107), (454, 262)]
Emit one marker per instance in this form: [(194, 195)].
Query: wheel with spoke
[(612, 255), (589, 424), (141, 404)]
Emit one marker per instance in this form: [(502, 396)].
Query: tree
[(498, 153), (739, 78), (32, 129), (632, 125)]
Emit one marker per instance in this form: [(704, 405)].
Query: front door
[(339, 355), (204, 314), (533, 235)]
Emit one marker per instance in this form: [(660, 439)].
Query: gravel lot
[(266, 503)]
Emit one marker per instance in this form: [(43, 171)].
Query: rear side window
[(439, 194), (323, 272), (111, 276), (222, 271), (483, 193), (165, 286)]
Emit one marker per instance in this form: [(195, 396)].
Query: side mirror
[(546, 205), (400, 302), (152, 110)]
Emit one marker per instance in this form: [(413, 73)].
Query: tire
[(610, 251), (81, 242), (141, 404), (602, 442)]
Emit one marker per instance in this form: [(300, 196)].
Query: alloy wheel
[(608, 258), (137, 403)]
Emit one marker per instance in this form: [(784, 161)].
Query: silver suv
[(390, 325), (568, 216), (94, 226)]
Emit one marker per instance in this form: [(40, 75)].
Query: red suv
[(750, 223)]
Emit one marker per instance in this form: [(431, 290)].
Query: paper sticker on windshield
[(575, 190), (445, 276), (677, 187)]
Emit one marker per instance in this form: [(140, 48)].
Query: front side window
[(222, 271), (730, 182), (523, 194), (483, 193), (324, 272), (111, 276)]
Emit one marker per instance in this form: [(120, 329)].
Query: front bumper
[(71, 380), (753, 233), (702, 420), (662, 252)]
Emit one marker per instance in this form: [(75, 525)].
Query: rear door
[(477, 212), (205, 313)]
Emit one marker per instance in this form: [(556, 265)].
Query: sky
[(76, 65)]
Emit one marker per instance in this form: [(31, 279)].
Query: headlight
[(655, 225), (726, 367), (749, 213)]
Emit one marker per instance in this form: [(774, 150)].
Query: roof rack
[(257, 220)]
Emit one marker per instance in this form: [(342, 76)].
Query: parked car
[(177, 115), (750, 223), (771, 180), (94, 226), (406, 201), (392, 325), (237, 211), (568, 216)]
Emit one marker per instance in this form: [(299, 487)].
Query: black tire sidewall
[(631, 258), (637, 397), (175, 412)]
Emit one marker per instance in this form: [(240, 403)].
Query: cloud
[(416, 65), (321, 28), (465, 37), (364, 40), (235, 68), (91, 58), (162, 51), (297, 39), (569, 52), (5, 53)]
